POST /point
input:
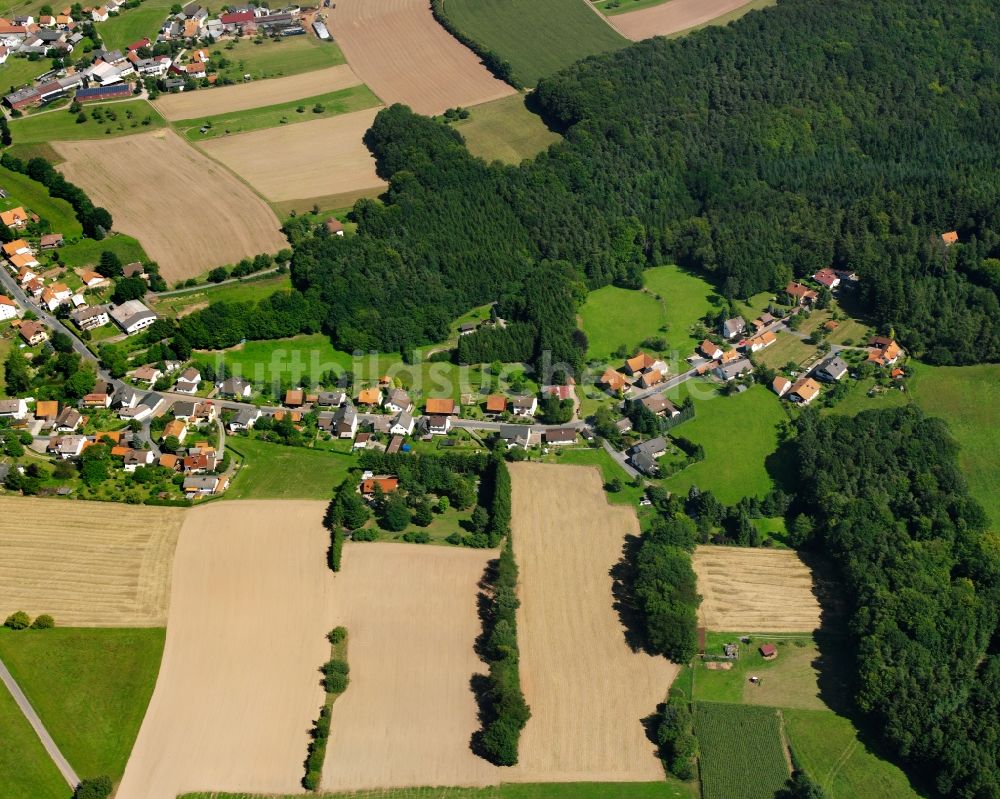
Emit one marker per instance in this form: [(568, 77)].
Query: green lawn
[(672, 301), (18, 71), (134, 24), (738, 434), (741, 753), (22, 190), (87, 252), (353, 98), (828, 747), (505, 130), (858, 400), (89, 686), (568, 790), (274, 471), (273, 58), (244, 291), (119, 118), (537, 38), (28, 771), (968, 398), (788, 348)]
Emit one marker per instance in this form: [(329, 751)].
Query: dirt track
[(310, 159), (588, 691), (755, 590), (188, 213), (671, 17), (239, 682), (87, 563), (258, 93), (398, 49), (409, 712)]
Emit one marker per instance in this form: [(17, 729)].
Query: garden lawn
[(22, 190), (244, 291), (830, 751), (857, 399), (89, 686), (134, 24), (537, 38), (505, 130), (61, 125), (18, 71), (968, 398), (28, 771), (272, 58), (738, 434), (87, 252), (274, 471), (789, 348), (741, 753), (353, 98), (671, 789)]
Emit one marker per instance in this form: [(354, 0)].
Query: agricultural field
[(968, 398), (609, 469), (239, 684), (299, 162), (409, 711), (741, 751), (274, 471), (739, 433), (400, 51), (275, 58), (548, 790), (89, 686), (646, 18), (87, 563), (755, 590), (255, 94), (201, 218), (22, 190), (505, 130), (567, 539), (243, 291), (103, 121), (537, 39), (135, 23), (28, 771)]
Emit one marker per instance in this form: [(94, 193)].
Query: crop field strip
[(672, 17)]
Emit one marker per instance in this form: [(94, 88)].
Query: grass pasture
[(87, 252), (135, 23), (789, 348), (741, 751), (272, 58), (505, 130), (89, 686), (243, 291), (548, 790), (274, 471), (537, 38), (22, 190), (353, 98), (18, 71), (119, 118), (28, 771)]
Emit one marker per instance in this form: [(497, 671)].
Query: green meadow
[(22, 190), (28, 771), (115, 118), (274, 471), (505, 130)]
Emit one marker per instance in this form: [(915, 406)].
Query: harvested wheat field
[(256, 94), (588, 691), (326, 156), (400, 51), (755, 590), (239, 682), (671, 17), (88, 564), (189, 213), (409, 712)]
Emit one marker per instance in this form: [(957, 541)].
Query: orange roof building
[(46, 409), (640, 362), (949, 238), (16, 246), (370, 396), (294, 397), (804, 390), (15, 217), (496, 403), (613, 380), (387, 484), (440, 406)]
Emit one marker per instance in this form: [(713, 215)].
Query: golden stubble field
[(588, 691), (189, 213), (400, 51), (755, 590), (87, 563), (672, 17), (239, 683)]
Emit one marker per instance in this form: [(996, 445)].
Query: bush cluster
[(675, 735), (94, 788), (19, 620)]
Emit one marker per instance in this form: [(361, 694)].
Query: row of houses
[(195, 22)]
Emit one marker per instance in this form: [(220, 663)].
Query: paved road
[(36, 723)]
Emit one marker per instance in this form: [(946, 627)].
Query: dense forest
[(850, 134), (889, 505)]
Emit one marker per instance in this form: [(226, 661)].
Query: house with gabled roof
[(440, 405), (804, 390), (800, 294)]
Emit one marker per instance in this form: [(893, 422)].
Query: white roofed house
[(244, 419), (188, 382), (132, 316), (13, 409), (8, 308)]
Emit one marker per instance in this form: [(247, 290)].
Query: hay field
[(409, 712), (588, 691), (89, 564), (239, 682), (671, 17), (400, 51), (755, 590), (258, 93), (189, 213), (310, 159)]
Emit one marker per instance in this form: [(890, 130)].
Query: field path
[(239, 684), (671, 17), (36, 724), (588, 691), (400, 51)]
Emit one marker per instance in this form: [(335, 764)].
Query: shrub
[(43, 622), (417, 537), (369, 534), (95, 788), (19, 620), (337, 635)]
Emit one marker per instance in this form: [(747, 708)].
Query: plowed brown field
[(188, 213), (588, 691), (87, 563), (404, 56), (671, 17), (755, 590)]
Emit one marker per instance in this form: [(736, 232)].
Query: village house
[(496, 404), (188, 382), (334, 227), (147, 374), (710, 350), (16, 247), (96, 399), (370, 396), (516, 435), (884, 351), (93, 280), (132, 316), (51, 241), (204, 485), (90, 318), (69, 420), (135, 458), (660, 405), (830, 370), (467, 328), (294, 398), (236, 387), (15, 218), (525, 405), (949, 238), (439, 406), (730, 371), (385, 483), (561, 393), (731, 328), (643, 455), (398, 401), (8, 308), (804, 390), (244, 419), (613, 381), (650, 378), (134, 269), (33, 333), (438, 425), (175, 428), (638, 363), (560, 436), (760, 342), (47, 410), (780, 385), (764, 320), (67, 447), (345, 421), (828, 278), (402, 425), (13, 409), (801, 295), (331, 399)]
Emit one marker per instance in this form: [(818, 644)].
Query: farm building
[(769, 651), (103, 92), (321, 30)]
